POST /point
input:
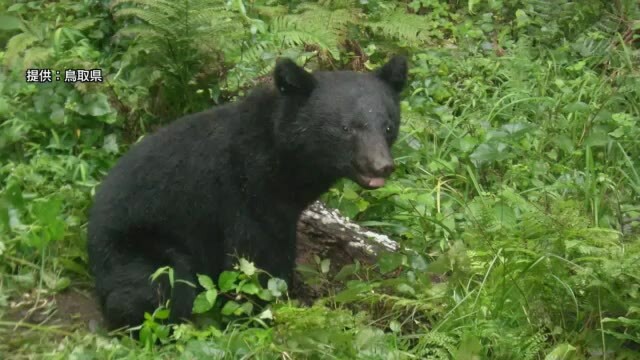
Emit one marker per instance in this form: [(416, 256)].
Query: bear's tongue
[(376, 182)]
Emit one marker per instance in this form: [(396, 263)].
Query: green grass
[(516, 199)]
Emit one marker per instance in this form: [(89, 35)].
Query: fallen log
[(325, 233)]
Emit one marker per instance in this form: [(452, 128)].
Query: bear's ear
[(291, 79), (394, 73)]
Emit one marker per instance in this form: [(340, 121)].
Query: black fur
[(234, 179)]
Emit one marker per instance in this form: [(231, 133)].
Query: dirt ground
[(32, 319), (68, 310)]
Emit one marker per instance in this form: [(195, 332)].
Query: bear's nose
[(388, 169), (384, 167)]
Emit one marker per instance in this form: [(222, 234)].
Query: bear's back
[(186, 165)]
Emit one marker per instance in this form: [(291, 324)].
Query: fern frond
[(295, 37), (199, 21), (598, 40), (159, 22), (270, 11), (336, 4), (37, 55), (533, 346), (168, 7), (436, 345), (398, 24), (316, 25), (83, 24), (17, 44), (217, 23), (136, 30), (255, 53), (402, 303)]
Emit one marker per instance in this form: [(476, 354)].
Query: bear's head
[(341, 123)]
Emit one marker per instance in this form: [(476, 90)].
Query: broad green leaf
[(47, 211), (110, 144), (57, 116), (277, 287), (161, 314), (211, 294), (349, 209), (250, 288), (345, 272), (367, 336), (353, 291), (418, 262), (516, 128), (247, 267), (362, 204), (395, 326), (577, 66), (206, 282), (618, 133), (226, 280), (201, 304), (488, 152), (62, 283), (13, 194), (246, 308), (229, 308), (597, 137), (266, 315), (146, 336), (469, 348), (466, 143), (577, 106), (349, 194), (9, 22), (522, 19), (406, 288), (95, 104), (561, 352), (624, 119), (390, 261), (56, 229), (504, 214), (265, 295), (563, 142), (325, 265)]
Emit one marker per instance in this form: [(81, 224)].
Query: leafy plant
[(515, 199)]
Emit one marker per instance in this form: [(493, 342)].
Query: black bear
[(234, 180)]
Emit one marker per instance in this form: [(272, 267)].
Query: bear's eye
[(388, 129), (345, 128)]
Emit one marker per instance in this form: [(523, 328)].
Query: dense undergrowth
[(516, 199)]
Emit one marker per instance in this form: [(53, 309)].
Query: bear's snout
[(382, 166), (373, 165)]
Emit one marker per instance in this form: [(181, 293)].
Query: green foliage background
[(516, 200)]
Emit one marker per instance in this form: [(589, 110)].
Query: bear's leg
[(183, 294), (272, 250), (132, 293)]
